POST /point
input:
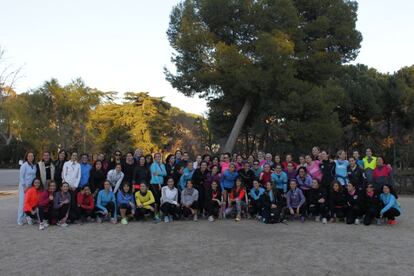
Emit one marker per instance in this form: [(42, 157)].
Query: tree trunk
[(238, 125)]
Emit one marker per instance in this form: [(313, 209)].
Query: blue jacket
[(280, 181), (228, 179), (295, 198), (160, 169), (85, 170), (122, 198), (27, 175), (104, 198), (255, 196), (389, 201), (187, 175)]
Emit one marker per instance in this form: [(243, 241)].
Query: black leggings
[(186, 212), (110, 206), (156, 192), (39, 214), (84, 213), (141, 212), (256, 207), (213, 208), (352, 213), (274, 215), (201, 199), (338, 212), (318, 209), (170, 209), (62, 212), (391, 214), (370, 214)]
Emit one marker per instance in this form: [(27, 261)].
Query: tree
[(247, 52)]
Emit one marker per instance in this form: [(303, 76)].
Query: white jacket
[(71, 173), (115, 179)]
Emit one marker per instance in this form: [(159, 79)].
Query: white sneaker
[(324, 221), (166, 219), (195, 218), (356, 221), (63, 224), (317, 218), (41, 226), (45, 224), (29, 220), (211, 218)]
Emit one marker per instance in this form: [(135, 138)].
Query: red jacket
[(85, 201), (44, 200), (31, 199), (239, 194)]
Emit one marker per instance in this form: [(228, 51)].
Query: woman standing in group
[(265, 175), (62, 157), (158, 173), (97, 178), (128, 167), (313, 168), (341, 168), (26, 176), (115, 177), (227, 181), (169, 166), (382, 174), (141, 174), (198, 179)]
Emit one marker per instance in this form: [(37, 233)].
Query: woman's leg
[(20, 213), (391, 214), (123, 210), (111, 208), (63, 213)]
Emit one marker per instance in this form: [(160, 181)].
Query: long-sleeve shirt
[(31, 199), (187, 175), (255, 194), (27, 174), (104, 197), (71, 173), (228, 179), (188, 196), (146, 200), (295, 198), (169, 195), (158, 173), (341, 171), (314, 170), (304, 183), (125, 198), (280, 181), (238, 194), (85, 201), (115, 178), (85, 171), (389, 201), (60, 197)]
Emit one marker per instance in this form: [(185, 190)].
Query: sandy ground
[(204, 248)]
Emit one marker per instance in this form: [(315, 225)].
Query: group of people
[(261, 186)]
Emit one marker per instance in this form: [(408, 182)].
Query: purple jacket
[(304, 184), (210, 178), (295, 198)]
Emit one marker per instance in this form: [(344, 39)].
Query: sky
[(122, 45)]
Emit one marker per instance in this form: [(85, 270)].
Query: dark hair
[(64, 151), (27, 154), (178, 151), (84, 154), (336, 182), (167, 160), (392, 191), (41, 184), (86, 186), (302, 169)]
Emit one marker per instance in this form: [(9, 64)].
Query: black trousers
[(338, 212), (391, 214), (62, 212), (141, 212), (370, 214), (352, 213), (201, 199), (170, 209), (74, 212), (110, 206), (39, 214), (274, 215), (156, 192), (256, 207), (186, 212), (318, 209), (302, 210), (84, 213), (212, 208)]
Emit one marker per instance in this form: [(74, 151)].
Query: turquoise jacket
[(104, 198), (280, 181), (160, 169), (187, 175), (389, 201)]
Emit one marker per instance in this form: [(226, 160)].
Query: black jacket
[(356, 177), (278, 199), (97, 179), (198, 178), (128, 170), (328, 171), (247, 178), (337, 200), (368, 202), (141, 175), (315, 195)]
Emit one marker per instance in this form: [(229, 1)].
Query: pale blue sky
[(122, 46)]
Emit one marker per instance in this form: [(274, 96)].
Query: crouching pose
[(296, 201), (61, 205), (31, 202), (256, 202), (337, 202), (189, 201), (371, 205), (126, 203), (317, 202), (237, 200), (391, 207), (46, 198), (169, 201), (145, 203), (85, 203), (274, 205), (105, 204), (213, 201), (353, 200)]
